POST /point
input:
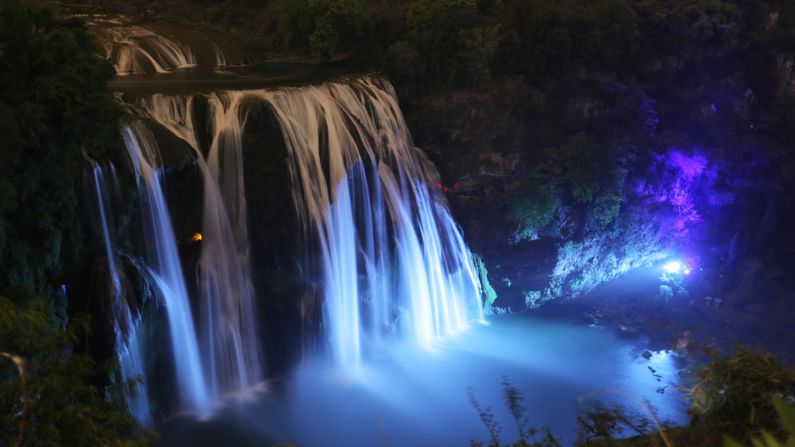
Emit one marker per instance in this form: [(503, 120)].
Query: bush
[(533, 207), (59, 405), (54, 110), (325, 27), (447, 44), (733, 395)]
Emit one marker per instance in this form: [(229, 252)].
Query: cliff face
[(562, 189), (556, 221)]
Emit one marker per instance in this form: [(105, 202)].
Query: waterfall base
[(414, 397)]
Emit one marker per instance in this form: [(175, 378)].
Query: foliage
[(65, 407), (746, 397), (733, 395), (581, 171), (445, 43), (526, 433), (335, 25), (53, 109), (533, 207), (483, 274), (634, 241), (55, 112), (786, 415), (325, 28), (532, 299), (598, 421)]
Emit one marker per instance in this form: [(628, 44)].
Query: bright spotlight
[(675, 267)]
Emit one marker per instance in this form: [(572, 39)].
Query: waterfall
[(135, 49), (393, 261), (126, 319), (229, 341), (358, 181), (167, 272)]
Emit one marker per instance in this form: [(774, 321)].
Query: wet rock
[(500, 310), (646, 355)]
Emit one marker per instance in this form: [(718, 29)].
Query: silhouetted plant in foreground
[(57, 401), (734, 395), (742, 399), (513, 399), (598, 420), (786, 415)]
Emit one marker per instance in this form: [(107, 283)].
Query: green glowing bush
[(533, 207), (488, 291), (738, 400)]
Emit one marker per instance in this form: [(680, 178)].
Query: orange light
[(196, 237)]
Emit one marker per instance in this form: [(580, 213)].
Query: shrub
[(62, 406), (733, 395), (533, 207), (54, 110)]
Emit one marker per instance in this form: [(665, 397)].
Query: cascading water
[(135, 50), (167, 271), (393, 261), (126, 319), (357, 180), (230, 341)]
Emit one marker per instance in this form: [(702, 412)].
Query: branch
[(23, 422)]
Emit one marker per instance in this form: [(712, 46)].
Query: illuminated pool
[(418, 398)]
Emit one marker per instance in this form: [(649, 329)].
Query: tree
[(54, 111), (56, 403)]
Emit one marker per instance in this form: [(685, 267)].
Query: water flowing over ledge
[(393, 262), (379, 241)]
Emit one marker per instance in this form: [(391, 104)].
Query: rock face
[(557, 219)]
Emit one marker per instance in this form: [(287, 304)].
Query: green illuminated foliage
[(483, 274), (533, 207)]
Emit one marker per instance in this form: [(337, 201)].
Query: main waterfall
[(392, 260), (229, 330), (379, 238)]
